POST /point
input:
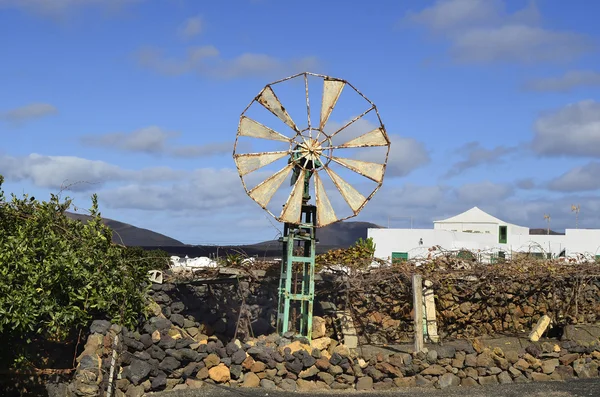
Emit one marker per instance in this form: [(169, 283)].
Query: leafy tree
[(58, 274)]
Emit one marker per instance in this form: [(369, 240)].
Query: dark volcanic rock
[(335, 359), (146, 339), (100, 327), (159, 381), (137, 371), (177, 307), (231, 348), (132, 343), (166, 342), (238, 357), (183, 342), (169, 364), (177, 319), (156, 352), (259, 354)]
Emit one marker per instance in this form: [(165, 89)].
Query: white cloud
[(475, 155), (578, 179), (29, 112), (203, 189), (156, 141), (191, 27), (573, 130), (208, 149), (426, 203), (406, 154), (58, 7), (207, 61), (150, 139), (483, 192), (526, 184), (483, 31), (565, 83), (56, 172)]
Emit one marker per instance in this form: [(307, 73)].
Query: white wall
[(460, 227), (584, 241), (518, 230), (575, 241)]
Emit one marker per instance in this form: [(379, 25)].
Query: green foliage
[(155, 259), (57, 274), (358, 256)]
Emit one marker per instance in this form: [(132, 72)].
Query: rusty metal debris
[(310, 154)]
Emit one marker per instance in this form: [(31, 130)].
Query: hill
[(337, 235), (544, 231), (129, 235)]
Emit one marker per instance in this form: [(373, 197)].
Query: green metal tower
[(297, 280)]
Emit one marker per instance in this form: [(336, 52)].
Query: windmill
[(576, 208), (314, 156), (547, 218)]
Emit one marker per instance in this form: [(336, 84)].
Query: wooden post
[(417, 285), (430, 315)]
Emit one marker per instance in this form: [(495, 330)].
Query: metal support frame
[(297, 280)]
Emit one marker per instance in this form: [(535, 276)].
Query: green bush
[(58, 274)]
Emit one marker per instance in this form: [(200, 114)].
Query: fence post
[(417, 285), (430, 315)]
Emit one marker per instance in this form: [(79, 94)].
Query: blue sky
[(487, 103)]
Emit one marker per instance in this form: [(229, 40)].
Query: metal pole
[(109, 390)]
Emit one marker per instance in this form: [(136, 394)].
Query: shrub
[(57, 274)]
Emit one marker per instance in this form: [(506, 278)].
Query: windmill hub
[(311, 149)]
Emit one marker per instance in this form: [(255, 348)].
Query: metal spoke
[(373, 171), (253, 128), (291, 210), (264, 192), (349, 123), (247, 163), (352, 196), (307, 105), (269, 100), (325, 212)]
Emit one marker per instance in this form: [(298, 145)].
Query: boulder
[(219, 374), (319, 327)]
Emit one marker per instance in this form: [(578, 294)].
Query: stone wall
[(468, 304), (163, 357)]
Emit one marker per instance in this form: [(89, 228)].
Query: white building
[(484, 235)]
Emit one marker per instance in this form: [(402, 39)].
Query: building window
[(503, 235), (399, 256)]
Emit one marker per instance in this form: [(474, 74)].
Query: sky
[(487, 103)]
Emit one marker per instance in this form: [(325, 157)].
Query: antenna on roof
[(547, 218), (576, 208)]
